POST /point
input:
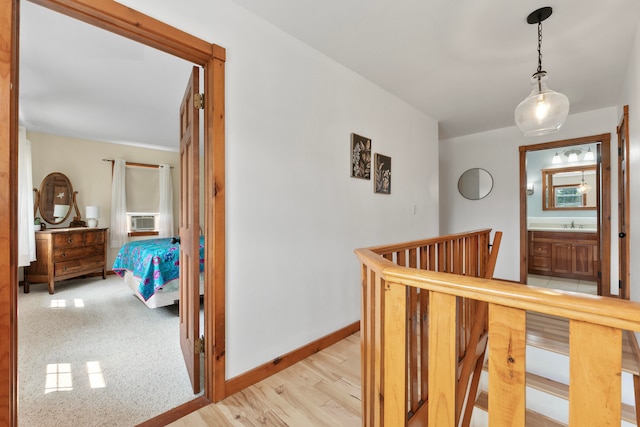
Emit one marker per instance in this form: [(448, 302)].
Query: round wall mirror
[(56, 198), (475, 184)]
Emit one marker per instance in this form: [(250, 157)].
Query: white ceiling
[(466, 63)]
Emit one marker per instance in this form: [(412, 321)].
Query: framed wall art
[(360, 157), (383, 174)]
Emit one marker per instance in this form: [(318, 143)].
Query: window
[(568, 197)]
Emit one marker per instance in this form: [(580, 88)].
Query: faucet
[(573, 225)]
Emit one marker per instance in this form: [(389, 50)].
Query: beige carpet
[(93, 355)]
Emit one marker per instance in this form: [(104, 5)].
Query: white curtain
[(118, 204), (165, 220), (26, 229)]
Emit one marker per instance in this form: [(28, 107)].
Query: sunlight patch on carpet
[(58, 377), (96, 379)]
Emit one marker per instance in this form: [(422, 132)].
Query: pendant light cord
[(539, 46)]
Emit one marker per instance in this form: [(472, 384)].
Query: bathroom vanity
[(564, 253)]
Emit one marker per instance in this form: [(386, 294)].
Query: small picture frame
[(360, 157), (382, 183)]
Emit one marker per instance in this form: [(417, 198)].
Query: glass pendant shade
[(543, 111), (589, 156)]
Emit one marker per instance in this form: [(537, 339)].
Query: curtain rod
[(137, 165)]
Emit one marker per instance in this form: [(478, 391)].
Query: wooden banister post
[(442, 360), (507, 366), (394, 392), (595, 374)]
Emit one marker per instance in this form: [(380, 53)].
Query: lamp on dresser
[(92, 214)]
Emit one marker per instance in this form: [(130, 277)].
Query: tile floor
[(574, 285)]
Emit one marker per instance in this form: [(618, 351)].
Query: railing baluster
[(395, 355), (595, 374), (414, 385), (507, 365), (442, 360)]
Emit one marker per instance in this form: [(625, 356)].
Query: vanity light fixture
[(530, 188), (573, 155), (589, 156), (544, 110)]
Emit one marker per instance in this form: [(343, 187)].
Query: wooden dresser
[(65, 253)]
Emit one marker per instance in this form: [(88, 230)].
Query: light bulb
[(542, 108)]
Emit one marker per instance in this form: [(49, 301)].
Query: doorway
[(569, 237), (121, 20)]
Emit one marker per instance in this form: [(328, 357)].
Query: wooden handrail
[(595, 348), (610, 312)]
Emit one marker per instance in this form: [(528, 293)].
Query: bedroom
[(263, 205), (82, 161)]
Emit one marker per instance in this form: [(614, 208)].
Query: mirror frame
[(480, 196), (545, 188), (41, 199)]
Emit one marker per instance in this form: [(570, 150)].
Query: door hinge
[(198, 101), (198, 345), (619, 284)]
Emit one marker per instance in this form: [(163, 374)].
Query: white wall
[(631, 96), (294, 215), (497, 151)]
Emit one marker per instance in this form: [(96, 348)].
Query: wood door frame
[(604, 205), (624, 212), (119, 19)]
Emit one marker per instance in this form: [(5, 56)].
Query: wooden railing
[(467, 254), (596, 325)]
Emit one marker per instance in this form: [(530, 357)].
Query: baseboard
[(176, 413), (278, 364)]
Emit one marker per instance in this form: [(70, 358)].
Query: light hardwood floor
[(322, 390)]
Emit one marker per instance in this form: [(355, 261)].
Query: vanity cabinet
[(564, 254), (66, 253)]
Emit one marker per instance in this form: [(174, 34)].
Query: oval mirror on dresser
[(56, 199)]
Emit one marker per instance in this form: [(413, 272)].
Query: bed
[(151, 269)]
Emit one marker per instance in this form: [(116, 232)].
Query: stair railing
[(595, 323), (470, 254)]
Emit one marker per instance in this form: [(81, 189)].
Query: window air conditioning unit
[(143, 222)]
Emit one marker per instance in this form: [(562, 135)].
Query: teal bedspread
[(154, 261)]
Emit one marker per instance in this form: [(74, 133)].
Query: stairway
[(548, 375)]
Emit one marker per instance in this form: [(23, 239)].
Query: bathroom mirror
[(571, 188), (56, 200), (475, 184)]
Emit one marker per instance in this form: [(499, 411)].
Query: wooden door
[(561, 258), (189, 231), (623, 205), (582, 259)]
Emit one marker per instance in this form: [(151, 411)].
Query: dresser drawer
[(91, 237), (68, 240), (541, 249), (540, 263), (66, 254), (78, 265)]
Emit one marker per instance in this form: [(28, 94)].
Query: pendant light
[(544, 110), (583, 188)]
